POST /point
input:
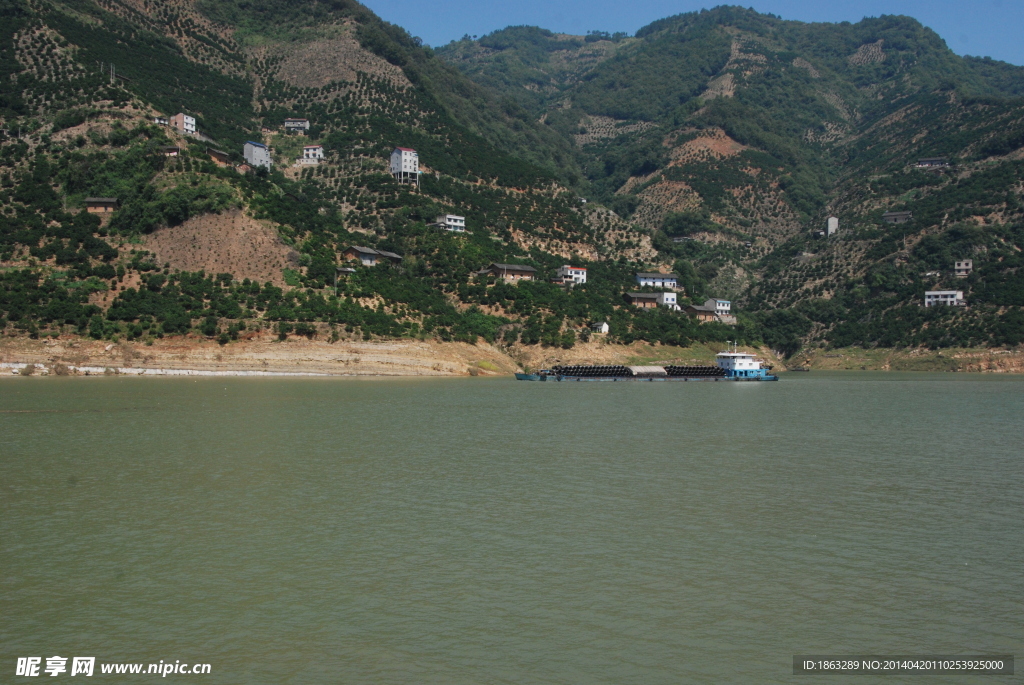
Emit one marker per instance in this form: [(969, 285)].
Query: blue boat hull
[(606, 379), (670, 379)]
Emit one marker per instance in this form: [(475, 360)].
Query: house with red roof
[(576, 275)]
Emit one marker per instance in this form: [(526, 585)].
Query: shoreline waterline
[(14, 369)]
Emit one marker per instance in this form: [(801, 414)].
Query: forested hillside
[(738, 134), (713, 144), (82, 84)]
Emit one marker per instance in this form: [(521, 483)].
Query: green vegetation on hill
[(60, 256), (723, 138), (833, 117), (159, 74)]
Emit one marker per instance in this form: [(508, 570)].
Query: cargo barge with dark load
[(729, 366)]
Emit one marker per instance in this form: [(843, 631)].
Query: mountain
[(196, 246), (739, 133), (714, 143)]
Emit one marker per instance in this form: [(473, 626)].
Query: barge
[(729, 366)]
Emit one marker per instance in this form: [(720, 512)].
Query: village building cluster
[(664, 289), (255, 153), (962, 268), (404, 167)]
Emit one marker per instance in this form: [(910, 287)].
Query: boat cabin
[(740, 365)]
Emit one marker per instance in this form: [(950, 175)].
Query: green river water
[(491, 531)]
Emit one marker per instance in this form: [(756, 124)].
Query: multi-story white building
[(451, 222), (963, 267), (312, 154), (256, 154), (655, 280), (946, 297), (405, 165), (184, 123), (668, 300), (576, 274)]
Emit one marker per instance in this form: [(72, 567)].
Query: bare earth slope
[(231, 242), (266, 354)]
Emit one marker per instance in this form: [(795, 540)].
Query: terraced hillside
[(203, 246), (731, 136), (714, 144)]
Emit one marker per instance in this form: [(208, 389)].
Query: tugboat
[(741, 366)]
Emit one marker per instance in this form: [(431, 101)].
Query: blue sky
[(970, 27)]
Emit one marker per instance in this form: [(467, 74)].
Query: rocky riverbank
[(959, 360), (267, 356), (254, 357)]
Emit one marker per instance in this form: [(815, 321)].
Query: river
[(491, 531)]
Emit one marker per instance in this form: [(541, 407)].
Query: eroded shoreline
[(298, 357)]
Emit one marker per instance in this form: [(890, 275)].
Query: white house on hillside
[(405, 165), (256, 154), (576, 274), (184, 123), (655, 280), (946, 297), (312, 154), (451, 222), (668, 300)]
